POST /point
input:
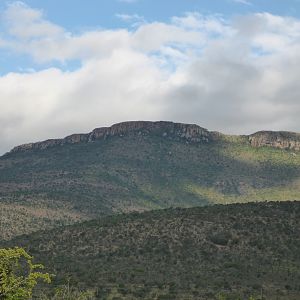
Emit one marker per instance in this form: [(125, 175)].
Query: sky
[(69, 66)]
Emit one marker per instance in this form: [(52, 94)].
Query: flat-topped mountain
[(178, 131), (137, 166)]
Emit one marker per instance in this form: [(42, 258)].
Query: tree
[(18, 274)]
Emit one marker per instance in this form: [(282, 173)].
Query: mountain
[(137, 166), (237, 250)]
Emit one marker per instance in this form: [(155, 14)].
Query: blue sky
[(78, 14), (69, 66)]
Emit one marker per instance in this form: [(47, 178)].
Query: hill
[(137, 166), (236, 250)]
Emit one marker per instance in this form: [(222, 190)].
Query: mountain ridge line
[(192, 133)]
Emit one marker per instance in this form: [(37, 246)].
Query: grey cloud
[(235, 92)]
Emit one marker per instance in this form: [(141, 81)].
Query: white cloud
[(246, 2), (130, 18), (196, 21), (151, 37), (128, 1), (135, 19), (26, 23), (54, 103), (235, 76), (29, 33)]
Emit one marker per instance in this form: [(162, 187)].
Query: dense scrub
[(236, 250)]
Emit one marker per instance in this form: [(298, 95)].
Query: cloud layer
[(236, 76)]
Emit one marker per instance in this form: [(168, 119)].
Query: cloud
[(55, 103), (135, 19), (235, 76), (196, 21), (128, 1), (45, 41), (246, 2), (26, 23)]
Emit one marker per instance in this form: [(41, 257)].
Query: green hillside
[(136, 171), (235, 250)]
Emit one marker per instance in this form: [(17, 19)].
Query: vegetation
[(65, 292), (217, 252), (89, 200), (66, 184), (18, 274)]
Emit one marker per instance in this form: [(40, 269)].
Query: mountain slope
[(136, 166), (196, 253)]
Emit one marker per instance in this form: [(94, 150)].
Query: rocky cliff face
[(280, 139), (188, 132), (177, 131)]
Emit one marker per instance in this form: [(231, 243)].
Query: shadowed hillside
[(138, 166), (236, 250)]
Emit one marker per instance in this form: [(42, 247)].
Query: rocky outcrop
[(177, 131), (188, 132), (279, 139)]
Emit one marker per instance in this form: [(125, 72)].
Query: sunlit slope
[(141, 172)]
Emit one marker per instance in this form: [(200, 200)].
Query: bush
[(66, 292), (18, 275)]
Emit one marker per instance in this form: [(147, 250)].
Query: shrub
[(18, 274)]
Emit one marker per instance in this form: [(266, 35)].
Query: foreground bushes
[(18, 274)]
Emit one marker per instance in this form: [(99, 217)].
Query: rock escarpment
[(188, 132), (177, 131), (279, 139)]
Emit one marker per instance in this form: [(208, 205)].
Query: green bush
[(18, 274)]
